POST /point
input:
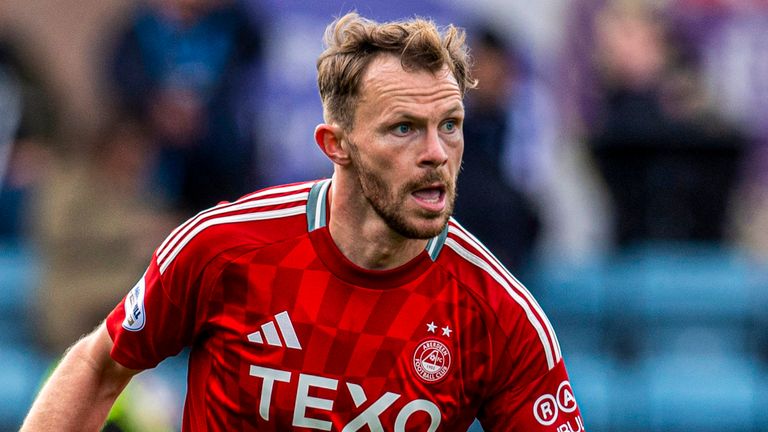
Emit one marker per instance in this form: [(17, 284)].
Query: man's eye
[(449, 126), (402, 129)]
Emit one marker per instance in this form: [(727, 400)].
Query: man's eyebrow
[(454, 109), (403, 115), (410, 116)]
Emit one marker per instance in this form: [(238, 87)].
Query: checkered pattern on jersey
[(286, 329), (353, 334)]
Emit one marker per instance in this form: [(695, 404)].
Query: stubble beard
[(389, 204)]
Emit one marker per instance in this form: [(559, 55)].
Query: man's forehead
[(386, 79), (387, 68)]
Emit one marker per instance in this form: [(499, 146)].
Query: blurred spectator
[(733, 42), (97, 229), (27, 122), (669, 162), (489, 203), (180, 67)]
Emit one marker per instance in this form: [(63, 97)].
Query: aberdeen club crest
[(431, 360)]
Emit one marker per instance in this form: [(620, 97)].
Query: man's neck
[(362, 236)]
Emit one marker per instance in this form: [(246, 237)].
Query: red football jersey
[(288, 334)]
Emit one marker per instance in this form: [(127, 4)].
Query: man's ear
[(329, 137)]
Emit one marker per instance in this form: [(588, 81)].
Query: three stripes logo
[(272, 331)]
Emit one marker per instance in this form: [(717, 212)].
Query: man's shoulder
[(474, 266), (506, 299), (258, 219)]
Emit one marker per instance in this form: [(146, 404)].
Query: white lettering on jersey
[(304, 400), (547, 407), (418, 405), (369, 417), (567, 427), (269, 376), (565, 399)]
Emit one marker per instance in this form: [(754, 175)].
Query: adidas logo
[(272, 333)]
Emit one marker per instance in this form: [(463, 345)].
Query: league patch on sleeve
[(134, 308)]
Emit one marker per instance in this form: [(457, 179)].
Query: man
[(353, 303)]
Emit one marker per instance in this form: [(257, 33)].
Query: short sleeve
[(546, 404), (156, 319)]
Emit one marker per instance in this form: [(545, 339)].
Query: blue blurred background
[(615, 160)]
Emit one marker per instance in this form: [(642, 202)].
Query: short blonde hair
[(352, 42)]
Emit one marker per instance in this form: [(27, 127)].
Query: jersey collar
[(317, 216)]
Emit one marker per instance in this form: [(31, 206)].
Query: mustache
[(430, 178)]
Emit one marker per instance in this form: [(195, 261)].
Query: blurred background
[(616, 160)]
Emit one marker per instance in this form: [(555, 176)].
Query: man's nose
[(434, 152)]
